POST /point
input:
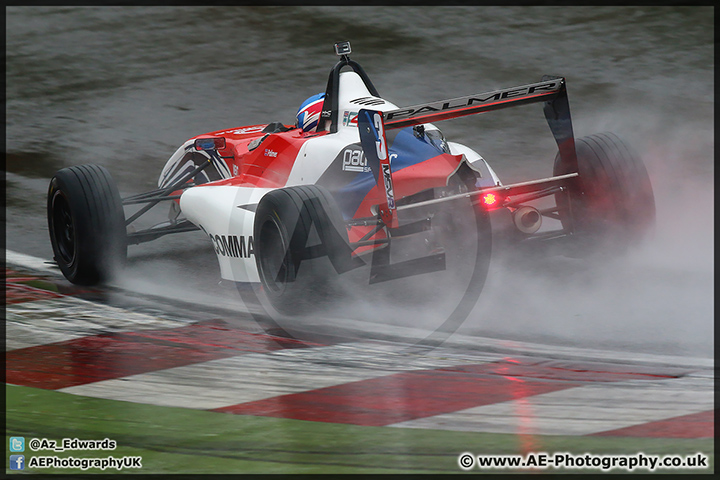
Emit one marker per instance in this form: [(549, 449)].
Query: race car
[(359, 198)]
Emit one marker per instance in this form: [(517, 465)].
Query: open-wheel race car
[(359, 197)]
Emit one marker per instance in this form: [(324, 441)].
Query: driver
[(308, 115)]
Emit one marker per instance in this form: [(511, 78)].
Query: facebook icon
[(17, 462)]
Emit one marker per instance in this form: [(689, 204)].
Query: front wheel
[(614, 205), (86, 223)]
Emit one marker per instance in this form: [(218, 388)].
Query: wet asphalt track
[(121, 87)]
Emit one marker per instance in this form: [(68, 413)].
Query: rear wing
[(551, 90)]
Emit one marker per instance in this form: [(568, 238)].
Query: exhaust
[(527, 219)]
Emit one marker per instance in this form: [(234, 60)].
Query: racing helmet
[(308, 115)]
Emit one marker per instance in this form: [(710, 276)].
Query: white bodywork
[(218, 211)]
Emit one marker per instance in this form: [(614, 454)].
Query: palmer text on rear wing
[(472, 104)]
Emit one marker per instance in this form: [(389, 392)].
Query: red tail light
[(490, 200)]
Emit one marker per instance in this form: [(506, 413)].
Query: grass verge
[(179, 440)]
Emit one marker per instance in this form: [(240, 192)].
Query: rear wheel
[(299, 235), (614, 206), (86, 223)]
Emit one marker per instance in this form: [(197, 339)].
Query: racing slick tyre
[(614, 206), (295, 227), (86, 223)]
